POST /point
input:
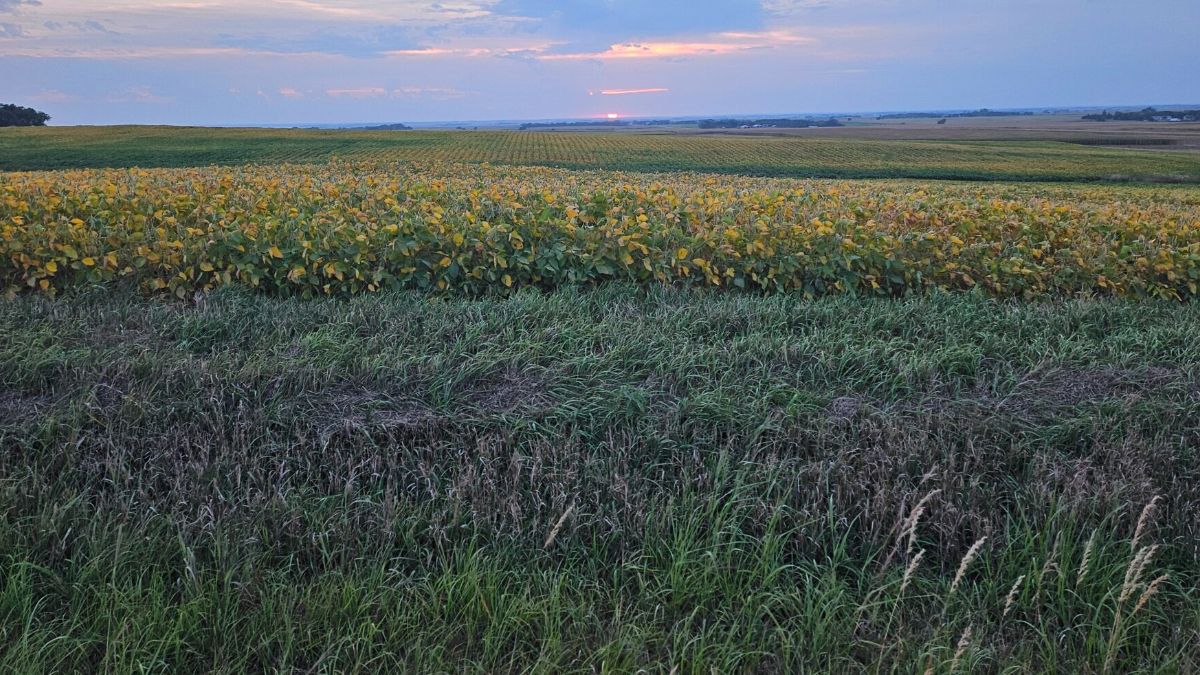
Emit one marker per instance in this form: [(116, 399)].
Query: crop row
[(346, 229), (795, 155)]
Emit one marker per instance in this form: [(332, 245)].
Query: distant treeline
[(703, 124), (769, 123), (585, 123), (982, 112), (1146, 115), (604, 123), (385, 127), (17, 116)]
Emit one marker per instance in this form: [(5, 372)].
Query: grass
[(601, 480), (94, 147)]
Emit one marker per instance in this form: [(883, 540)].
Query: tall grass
[(598, 481)]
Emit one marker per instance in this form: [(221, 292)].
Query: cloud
[(718, 45), (325, 8), (412, 92), (482, 48), (54, 96), (138, 94), (361, 92), (796, 6), (512, 29), (128, 53), (607, 20), (367, 42), (89, 26), (355, 28), (11, 30), (288, 92), (629, 92), (374, 11), (435, 93), (11, 6)]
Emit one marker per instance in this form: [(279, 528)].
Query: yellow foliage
[(347, 229)]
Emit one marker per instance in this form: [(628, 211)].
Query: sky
[(344, 61)]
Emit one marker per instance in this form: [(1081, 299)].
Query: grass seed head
[(1011, 599), (910, 570), (1143, 521), (972, 553), (1084, 564)]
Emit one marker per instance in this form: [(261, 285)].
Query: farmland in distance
[(789, 155)]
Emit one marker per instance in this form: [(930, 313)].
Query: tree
[(17, 116)]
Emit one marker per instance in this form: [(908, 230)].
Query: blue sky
[(331, 61)]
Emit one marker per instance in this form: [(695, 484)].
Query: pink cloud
[(717, 45), (627, 92)]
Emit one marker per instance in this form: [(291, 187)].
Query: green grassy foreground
[(598, 481), (91, 147)]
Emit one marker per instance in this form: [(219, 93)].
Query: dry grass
[(254, 484)]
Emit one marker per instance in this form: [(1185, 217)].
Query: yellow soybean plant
[(345, 229)]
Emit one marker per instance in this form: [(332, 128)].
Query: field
[(362, 402), (348, 229), (1058, 128), (789, 156)]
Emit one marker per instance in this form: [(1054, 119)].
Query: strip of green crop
[(69, 147)]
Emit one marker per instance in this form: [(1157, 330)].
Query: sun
[(613, 116)]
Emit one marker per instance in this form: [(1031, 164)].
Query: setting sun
[(613, 116)]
